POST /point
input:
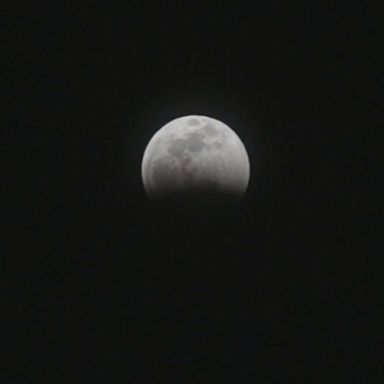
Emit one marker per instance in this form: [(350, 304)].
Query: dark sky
[(101, 286)]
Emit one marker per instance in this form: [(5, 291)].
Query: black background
[(101, 285)]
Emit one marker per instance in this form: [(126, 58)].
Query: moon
[(195, 155)]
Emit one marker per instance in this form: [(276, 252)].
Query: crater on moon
[(218, 144), (195, 142), (193, 122), (178, 147), (210, 130)]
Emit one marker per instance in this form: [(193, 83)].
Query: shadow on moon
[(202, 206)]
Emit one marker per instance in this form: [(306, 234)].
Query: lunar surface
[(195, 154)]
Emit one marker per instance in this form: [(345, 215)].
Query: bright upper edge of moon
[(195, 153)]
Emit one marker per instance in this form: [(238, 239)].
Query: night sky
[(101, 285)]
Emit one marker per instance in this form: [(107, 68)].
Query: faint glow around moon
[(195, 154)]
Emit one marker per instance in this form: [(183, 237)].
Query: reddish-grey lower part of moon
[(195, 155)]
